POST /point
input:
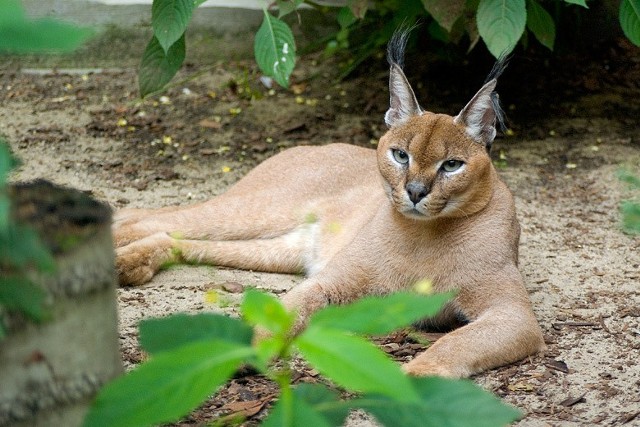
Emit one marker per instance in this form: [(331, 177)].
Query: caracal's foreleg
[(502, 327), (501, 335), (502, 330)]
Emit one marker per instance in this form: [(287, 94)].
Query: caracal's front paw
[(137, 262)]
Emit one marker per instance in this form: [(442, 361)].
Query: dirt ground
[(574, 123)]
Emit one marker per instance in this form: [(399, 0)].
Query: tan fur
[(342, 214)]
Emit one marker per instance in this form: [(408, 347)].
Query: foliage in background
[(630, 209), (21, 249), (192, 355), (499, 24), (21, 35)]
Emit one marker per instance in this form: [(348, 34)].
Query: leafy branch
[(193, 355), (499, 24)]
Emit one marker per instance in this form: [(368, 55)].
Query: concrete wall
[(222, 17)]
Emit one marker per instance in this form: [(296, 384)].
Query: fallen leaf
[(297, 89), (244, 409), (557, 365), (521, 386), (232, 287), (627, 418), (210, 124), (570, 401)]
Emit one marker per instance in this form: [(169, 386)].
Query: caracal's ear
[(402, 100), (481, 115)]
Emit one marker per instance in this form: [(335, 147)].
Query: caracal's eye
[(400, 156), (452, 165)]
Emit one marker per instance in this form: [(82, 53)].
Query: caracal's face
[(432, 169)]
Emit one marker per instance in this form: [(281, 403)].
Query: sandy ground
[(88, 131)]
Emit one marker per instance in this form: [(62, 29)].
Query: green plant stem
[(283, 378)]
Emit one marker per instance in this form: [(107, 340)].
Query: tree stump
[(50, 372)]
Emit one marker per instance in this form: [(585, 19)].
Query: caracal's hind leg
[(130, 225), (226, 217), (131, 215), (271, 203), (271, 200), (137, 262)]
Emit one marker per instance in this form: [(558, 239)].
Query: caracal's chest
[(359, 230)]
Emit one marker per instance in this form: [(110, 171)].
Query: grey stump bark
[(51, 371)]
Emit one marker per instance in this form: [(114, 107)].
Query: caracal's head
[(436, 165)]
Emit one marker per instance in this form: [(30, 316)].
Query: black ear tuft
[(495, 73), (398, 44), (498, 68), (483, 113), (402, 100)]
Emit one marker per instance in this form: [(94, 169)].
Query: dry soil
[(574, 124)]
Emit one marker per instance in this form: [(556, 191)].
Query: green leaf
[(11, 11), (169, 19), (293, 413), (353, 363), (20, 35), (168, 333), (630, 217), (26, 248), (265, 310), (45, 35), (446, 13), (5, 208), (275, 49), (21, 295), (7, 162), (324, 401), (582, 3), (345, 18), (285, 7), (168, 386), (629, 178), (630, 20), (541, 24), (443, 402), (157, 67), (310, 405), (380, 315), (501, 24)]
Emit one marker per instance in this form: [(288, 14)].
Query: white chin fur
[(415, 213)]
